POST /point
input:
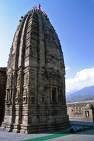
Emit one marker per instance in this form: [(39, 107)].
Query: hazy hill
[(86, 93)]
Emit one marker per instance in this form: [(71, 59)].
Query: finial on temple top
[(39, 7)]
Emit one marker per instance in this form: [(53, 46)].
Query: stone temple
[(35, 90)]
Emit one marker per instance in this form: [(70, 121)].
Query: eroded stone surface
[(35, 91), (81, 111)]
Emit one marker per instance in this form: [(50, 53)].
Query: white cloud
[(67, 68), (83, 78)]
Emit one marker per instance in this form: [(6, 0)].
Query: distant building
[(2, 92), (81, 111), (35, 90)]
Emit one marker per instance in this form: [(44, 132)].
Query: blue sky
[(73, 21)]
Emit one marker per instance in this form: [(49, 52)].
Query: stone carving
[(37, 87)]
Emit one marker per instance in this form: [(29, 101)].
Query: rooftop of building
[(81, 102)]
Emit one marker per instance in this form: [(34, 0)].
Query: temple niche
[(35, 91)]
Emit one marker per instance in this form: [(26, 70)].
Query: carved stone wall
[(81, 111), (35, 93)]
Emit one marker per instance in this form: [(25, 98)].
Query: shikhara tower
[(35, 91)]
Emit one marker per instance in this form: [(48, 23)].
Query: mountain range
[(84, 94)]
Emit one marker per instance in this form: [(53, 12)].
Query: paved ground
[(81, 136)]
